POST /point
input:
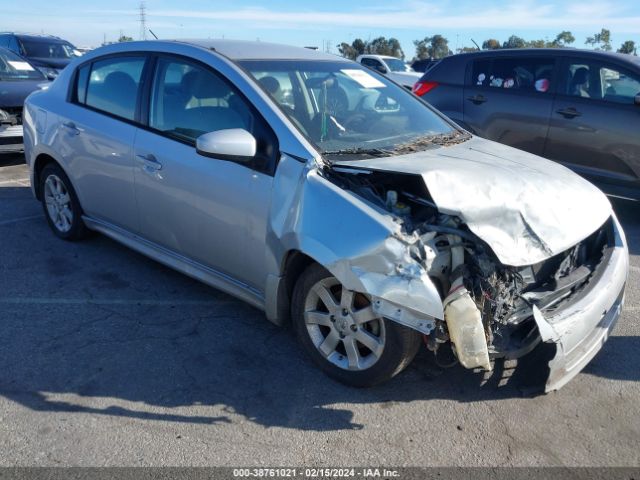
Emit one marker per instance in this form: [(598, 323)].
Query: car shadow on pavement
[(76, 337)]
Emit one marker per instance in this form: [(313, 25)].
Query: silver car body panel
[(580, 330), (506, 198)]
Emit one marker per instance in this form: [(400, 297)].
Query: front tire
[(60, 203), (343, 335)]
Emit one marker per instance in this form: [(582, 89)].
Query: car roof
[(374, 55), (35, 36), (255, 50), (566, 52)]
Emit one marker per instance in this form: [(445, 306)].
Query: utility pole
[(143, 21)]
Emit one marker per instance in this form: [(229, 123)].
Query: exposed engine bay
[(488, 306)]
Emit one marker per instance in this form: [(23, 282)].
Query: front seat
[(203, 118)]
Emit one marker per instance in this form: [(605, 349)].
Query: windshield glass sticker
[(21, 66), (363, 78)]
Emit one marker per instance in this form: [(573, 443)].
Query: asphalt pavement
[(109, 358)]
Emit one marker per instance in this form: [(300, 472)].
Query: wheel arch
[(294, 262), (41, 161)]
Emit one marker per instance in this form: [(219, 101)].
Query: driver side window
[(602, 82)]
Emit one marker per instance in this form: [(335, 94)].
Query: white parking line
[(21, 219), (110, 301), (23, 182)]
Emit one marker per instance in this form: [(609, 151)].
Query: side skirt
[(178, 262)]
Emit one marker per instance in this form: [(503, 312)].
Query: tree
[(628, 47), (377, 46), (491, 44), (467, 49), (382, 46), (124, 38), (436, 47), (347, 51), (563, 39), (600, 41), (514, 42), (537, 44), (352, 51)]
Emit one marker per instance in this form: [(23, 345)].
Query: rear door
[(509, 99), (595, 122), (96, 134)]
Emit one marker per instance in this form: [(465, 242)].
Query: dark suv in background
[(49, 54), (18, 78), (580, 108)]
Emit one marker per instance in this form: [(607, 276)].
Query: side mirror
[(232, 144), (637, 99), (382, 69)]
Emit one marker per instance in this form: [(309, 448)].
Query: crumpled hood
[(526, 208)]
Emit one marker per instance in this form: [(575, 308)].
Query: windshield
[(396, 65), (344, 108), (12, 67), (48, 49)]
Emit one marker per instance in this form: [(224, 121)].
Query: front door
[(209, 210), (595, 122)]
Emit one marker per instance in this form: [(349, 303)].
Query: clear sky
[(322, 22)]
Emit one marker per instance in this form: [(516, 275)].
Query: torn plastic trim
[(398, 285), (581, 329)]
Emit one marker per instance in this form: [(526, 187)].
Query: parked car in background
[(328, 195), (578, 107), (48, 53), (18, 78), (423, 65), (392, 67)]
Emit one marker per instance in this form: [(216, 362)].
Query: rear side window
[(113, 86), (82, 78), (530, 74)]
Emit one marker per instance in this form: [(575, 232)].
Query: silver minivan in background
[(330, 197)]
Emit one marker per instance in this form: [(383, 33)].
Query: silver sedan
[(331, 198)]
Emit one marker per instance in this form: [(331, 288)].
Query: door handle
[(71, 127), (477, 99), (569, 112), (150, 162)]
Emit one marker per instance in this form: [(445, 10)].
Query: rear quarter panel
[(447, 97)]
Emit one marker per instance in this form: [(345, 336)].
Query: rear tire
[(343, 336), (60, 204)]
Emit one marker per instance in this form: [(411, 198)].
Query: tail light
[(420, 88)]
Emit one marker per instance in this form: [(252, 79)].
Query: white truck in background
[(392, 67)]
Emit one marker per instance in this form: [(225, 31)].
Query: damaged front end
[(436, 276)]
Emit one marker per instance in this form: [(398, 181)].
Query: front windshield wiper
[(372, 152), (441, 139)]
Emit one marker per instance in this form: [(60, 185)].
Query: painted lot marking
[(110, 301), (21, 219)]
